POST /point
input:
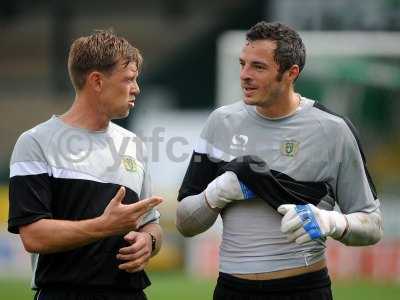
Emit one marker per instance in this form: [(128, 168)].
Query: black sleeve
[(201, 171), (30, 200), (273, 187)]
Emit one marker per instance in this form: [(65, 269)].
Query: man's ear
[(293, 72), (95, 81)]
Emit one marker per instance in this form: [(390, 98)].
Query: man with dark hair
[(311, 161), (80, 193)]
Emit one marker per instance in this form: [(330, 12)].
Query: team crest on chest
[(129, 163), (239, 142), (290, 147)]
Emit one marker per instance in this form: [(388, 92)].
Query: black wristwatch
[(153, 242)]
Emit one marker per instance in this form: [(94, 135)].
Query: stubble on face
[(120, 95), (260, 76)]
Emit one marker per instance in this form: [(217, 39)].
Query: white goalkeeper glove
[(226, 188), (302, 223)]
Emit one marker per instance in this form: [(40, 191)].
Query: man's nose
[(244, 73), (135, 89)]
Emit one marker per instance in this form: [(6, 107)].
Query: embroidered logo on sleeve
[(290, 147)]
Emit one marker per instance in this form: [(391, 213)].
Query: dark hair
[(100, 51), (290, 49)]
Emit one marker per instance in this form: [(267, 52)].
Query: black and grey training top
[(66, 173), (312, 145)]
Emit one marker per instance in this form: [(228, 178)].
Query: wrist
[(341, 225), (100, 229)]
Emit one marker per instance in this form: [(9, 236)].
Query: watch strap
[(153, 242)]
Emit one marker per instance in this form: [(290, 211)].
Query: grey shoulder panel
[(30, 145), (352, 129)]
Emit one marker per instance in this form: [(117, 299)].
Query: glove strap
[(310, 224), (247, 193)]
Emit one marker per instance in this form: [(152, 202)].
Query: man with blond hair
[(80, 193)]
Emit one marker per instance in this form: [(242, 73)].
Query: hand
[(302, 223), (137, 254), (225, 189), (119, 218)]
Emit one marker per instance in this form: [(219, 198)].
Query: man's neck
[(285, 105), (84, 114)]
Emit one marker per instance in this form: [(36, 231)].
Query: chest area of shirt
[(301, 152), (98, 159)]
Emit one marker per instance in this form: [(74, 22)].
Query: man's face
[(119, 91), (259, 77)]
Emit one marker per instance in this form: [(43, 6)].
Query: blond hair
[(100, 51)]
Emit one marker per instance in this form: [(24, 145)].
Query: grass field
[(175, 286)]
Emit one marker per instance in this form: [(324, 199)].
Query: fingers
[(119, 196), (143, 252), (284, 208), (138, 241), (294, 235), (294, 231), (136, 255), (291, 222), (131, 236), (134, 266), (119, 218), (299, 224), (135, 247), (145, 205), (302, 239), (134, 261), (152, 201)]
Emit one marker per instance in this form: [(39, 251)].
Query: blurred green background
[(178, 286)]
